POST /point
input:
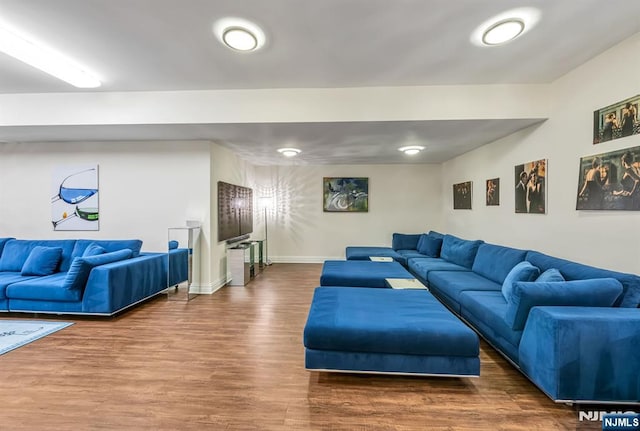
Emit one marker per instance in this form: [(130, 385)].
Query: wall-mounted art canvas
[(610, 181), (74, 198), (345, 194), (616, 121), (492, 192), (531, 192), (462, 195)]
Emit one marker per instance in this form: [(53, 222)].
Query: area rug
[(17, 333)]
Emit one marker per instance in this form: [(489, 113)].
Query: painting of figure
[(530, 190), (462, 195), (616, 121)]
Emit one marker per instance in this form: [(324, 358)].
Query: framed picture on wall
[(530, 191), (609, 181), (74, 201), (345, 194), (617, 120), (462, 195), (492, 192)]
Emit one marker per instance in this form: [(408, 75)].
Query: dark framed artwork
[(345, 194), (492, 192), (616, 121), (531, 191), (610, 181), (462, 195)]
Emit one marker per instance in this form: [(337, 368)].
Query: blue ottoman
[(360, 273), (364, 253), (387, 331)]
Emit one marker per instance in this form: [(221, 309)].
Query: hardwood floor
[(234, 360)]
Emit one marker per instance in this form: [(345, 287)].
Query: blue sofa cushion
[(459, 251), (360, 273), (3, 241), (495, 261), (42, 261), (550, 275), (523, 271), (173, 244), (81, 267), (601, 292), (485, 310), (577, 271), (422, 266), (363, 253), (109, 245), (429, 245), (16, 252), (403, 241), (435, 234), (93, 250), (9, 278), (44, 289), (448, 285)]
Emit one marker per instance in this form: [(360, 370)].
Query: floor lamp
[(266, 203)]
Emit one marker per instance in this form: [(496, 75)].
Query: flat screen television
[(235, 212)]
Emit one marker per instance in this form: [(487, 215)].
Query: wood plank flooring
[(234, 360)]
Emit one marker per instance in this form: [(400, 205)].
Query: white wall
[(609, 239), (402, 198), (145, 187)]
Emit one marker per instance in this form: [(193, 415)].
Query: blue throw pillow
[(550, 275), (523, 271), (42, 261), (429, 245), (93, 250), (173, 245)]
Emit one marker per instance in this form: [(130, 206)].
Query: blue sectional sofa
[(572, 329), (96, 277)]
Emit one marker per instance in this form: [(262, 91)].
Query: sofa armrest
[(583, 353), (598, 292), (114, 286)]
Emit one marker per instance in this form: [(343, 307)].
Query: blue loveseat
[(96, 277), (572, 329)]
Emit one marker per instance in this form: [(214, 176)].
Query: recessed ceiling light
[(505, 27), (503, 32), (289, 152), (411, 150), (45, 59), (239, 34)]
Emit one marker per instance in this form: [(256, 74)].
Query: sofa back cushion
[(495, 262), (42, 261), (599, 292), (523, 271), (459, 251), (630, 297), (429, 245), (108, 245), (404, 241), (16, 252), (81, 267), (3, 241)]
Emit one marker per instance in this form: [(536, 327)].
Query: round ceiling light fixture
[(505, 27), (503, 32), (411, 150), (239, 34), (289, 152)]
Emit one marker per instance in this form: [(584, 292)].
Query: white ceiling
[(159, 45)]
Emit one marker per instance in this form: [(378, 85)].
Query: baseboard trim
[(303, 259)]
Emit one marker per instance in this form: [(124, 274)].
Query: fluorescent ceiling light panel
[(45, 59)]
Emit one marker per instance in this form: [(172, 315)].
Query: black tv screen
[(235, 211)]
